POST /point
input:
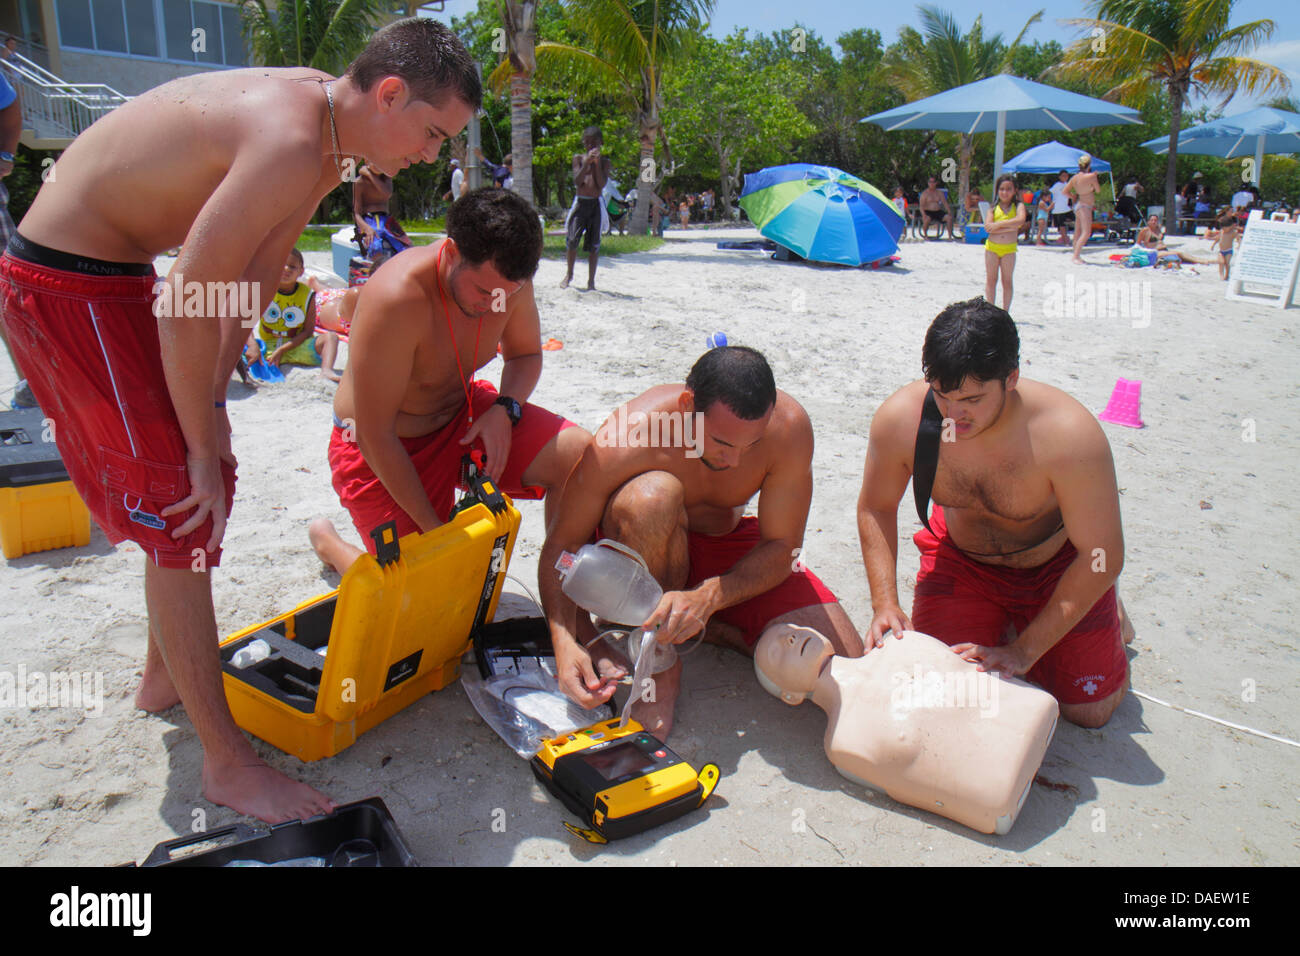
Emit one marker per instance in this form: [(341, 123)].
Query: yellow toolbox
[(339, 664), (39, 508)]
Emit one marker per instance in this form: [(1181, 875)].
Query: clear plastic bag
[(523, 702)]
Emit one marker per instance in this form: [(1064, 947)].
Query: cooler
[(39, 508), (342, 249)]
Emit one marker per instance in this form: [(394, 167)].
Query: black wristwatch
[(513, 408)]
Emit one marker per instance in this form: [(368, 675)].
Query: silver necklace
[(334, 131)]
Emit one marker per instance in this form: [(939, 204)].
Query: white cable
[(511, 577), (1217, 720)]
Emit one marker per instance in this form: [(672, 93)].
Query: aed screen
[(619, 761)]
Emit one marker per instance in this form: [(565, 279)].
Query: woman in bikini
[(1151, 240), (1005, 219), (1083, 186)]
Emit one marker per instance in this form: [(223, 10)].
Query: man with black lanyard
[(1020, 557), (409, 410)]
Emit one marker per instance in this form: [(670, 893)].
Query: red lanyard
[(446, 313)]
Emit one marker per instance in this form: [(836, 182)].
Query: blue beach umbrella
[(1257, 131), (822, 213), (1003, 102)]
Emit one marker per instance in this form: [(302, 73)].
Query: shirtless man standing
[(1083, 188), (590, 171), (204, 162), (934, 208), (1019, 571), (409, 409), (371, 194), (679, 504)]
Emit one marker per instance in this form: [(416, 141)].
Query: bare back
[(372, 192), (1085, 186), (132, 185), (714, 499)]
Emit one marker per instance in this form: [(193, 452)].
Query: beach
[(1210, 593)]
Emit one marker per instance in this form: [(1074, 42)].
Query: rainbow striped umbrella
[(822, 213)]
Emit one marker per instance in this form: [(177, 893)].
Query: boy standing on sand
[(137, 392), (590, 171)]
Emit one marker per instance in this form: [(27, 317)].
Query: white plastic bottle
[(251, 653), (611, 581)]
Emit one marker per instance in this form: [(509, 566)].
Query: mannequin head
[(788, 660)]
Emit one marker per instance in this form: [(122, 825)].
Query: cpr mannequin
[(913, 719)]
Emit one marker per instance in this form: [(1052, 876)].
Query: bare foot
[(564, 283), (330, 376), (257, 790), (591, 287), (656, 714), (156, 692), (1126, 629), (330, 547)]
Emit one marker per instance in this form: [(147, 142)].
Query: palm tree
[(520, 19), (322, 34), (943, 59), (629, 44), (1178, 45)]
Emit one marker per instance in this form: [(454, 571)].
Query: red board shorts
[(713, 555), (961, 600), (89, 348), (436, 457)]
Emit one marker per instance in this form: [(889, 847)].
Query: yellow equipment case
[(39, 508), (394, 631)]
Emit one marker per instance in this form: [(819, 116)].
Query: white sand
[(1211, 591)]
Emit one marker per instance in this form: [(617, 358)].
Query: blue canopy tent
[(1049, 158), (1258, 131), (1005, 102)]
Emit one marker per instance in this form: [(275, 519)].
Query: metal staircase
[(55, 111)]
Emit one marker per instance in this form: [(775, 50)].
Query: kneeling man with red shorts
[(669, 474), (1020, 556), (409, 410)]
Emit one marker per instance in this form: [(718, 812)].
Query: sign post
[(1269, 256)]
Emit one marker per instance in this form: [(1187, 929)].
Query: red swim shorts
[(961, 600), (436, 457), (89, 348), (713, 555)]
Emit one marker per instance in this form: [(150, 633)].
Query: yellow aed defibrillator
[(620, 780)]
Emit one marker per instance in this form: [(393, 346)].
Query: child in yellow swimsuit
[(287, 333), (1005, 221)]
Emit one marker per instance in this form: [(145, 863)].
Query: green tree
[(520, 19), (732, 112), (623, 50), (1135, 47), (943, 58), (322, 34)]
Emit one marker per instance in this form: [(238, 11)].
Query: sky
[(830, 18)]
